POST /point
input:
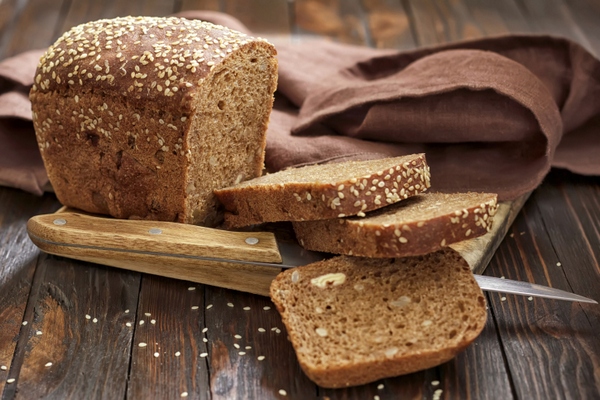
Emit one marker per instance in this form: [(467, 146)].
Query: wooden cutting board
[(101, 240)]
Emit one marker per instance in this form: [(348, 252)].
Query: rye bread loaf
[(144, 117), (419, 225), (355, 320), (324, 191)]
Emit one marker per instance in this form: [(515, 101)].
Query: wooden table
[(75, 330)]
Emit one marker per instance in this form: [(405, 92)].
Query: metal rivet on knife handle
[(59, 221), (251, 240), (155, 231)]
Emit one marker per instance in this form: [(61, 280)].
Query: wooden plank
[(554, 17), (78, 344), (18, 259), (342, 21), (32, 28), (550, 346), (498, 17), (388, 24), (212, 5), (437, 22), (80, 12), (570, 211), (170, 319), (234, 375)]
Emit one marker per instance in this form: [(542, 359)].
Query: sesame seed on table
[(73, 329)]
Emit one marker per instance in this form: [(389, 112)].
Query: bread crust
[(446, 313), (405, 232), (114, 102), (298, 198)]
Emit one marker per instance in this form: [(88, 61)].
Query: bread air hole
[(221, 105)]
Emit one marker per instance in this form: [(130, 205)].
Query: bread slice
[(324, 191), (142, 117), (355, 320), (419, 225)]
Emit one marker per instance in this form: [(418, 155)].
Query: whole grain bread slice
[(355, 320), (324, 191), (419, 225)]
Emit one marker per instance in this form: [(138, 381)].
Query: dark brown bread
[(419, 225), (356, 320), (144, 117), (324, 191)]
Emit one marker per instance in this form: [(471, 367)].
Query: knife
[(246, 261)]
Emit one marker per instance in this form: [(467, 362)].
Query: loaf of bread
[(144, 117), (355, 320), (419, 225), (324, 191)]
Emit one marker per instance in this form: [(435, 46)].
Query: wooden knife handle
[(168, 249)]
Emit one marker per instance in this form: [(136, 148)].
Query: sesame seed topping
[(203, 354), (48, 364), (11, 380), (142, 344), (260, 358)]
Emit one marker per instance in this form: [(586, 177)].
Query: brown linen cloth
[(492, 114)]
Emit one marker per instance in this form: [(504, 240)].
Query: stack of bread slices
[(396, 299)]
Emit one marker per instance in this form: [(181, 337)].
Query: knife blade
[(246, 261)]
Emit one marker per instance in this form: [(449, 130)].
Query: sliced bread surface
[(355, 320), (419, 225), (324, 191)]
